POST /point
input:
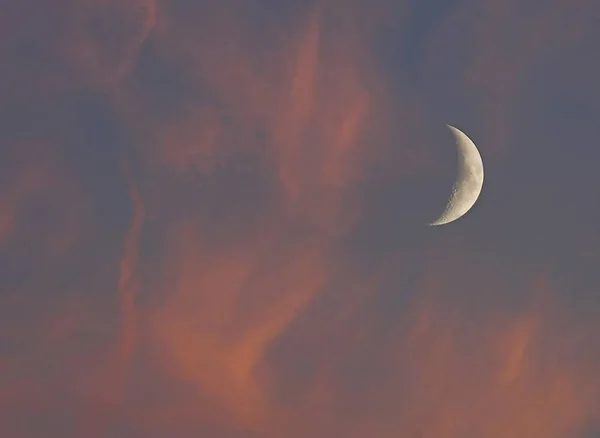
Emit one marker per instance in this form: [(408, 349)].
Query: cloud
[(129, 284), (302, 102), (250, 273), (473, 58), (225, 308), (441, 372), (70, 45), (44, 317)]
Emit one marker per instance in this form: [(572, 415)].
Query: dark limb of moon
[(469, 181)]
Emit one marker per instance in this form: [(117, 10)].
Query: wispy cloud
[(215, 288)]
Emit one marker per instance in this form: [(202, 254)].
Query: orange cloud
[(441, 374), (225, 307), (128, 284), (301, 101), (498, 384), (250, 143)]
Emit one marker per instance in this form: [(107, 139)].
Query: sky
[(211, 219)]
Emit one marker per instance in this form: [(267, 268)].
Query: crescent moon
[(469, 181)]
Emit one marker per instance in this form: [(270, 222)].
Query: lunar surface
[(469, 181)]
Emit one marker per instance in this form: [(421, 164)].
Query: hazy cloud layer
[(210, 220)]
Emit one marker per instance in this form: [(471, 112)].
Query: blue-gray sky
[(211, 219)]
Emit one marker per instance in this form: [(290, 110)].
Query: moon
[(469, 181)]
